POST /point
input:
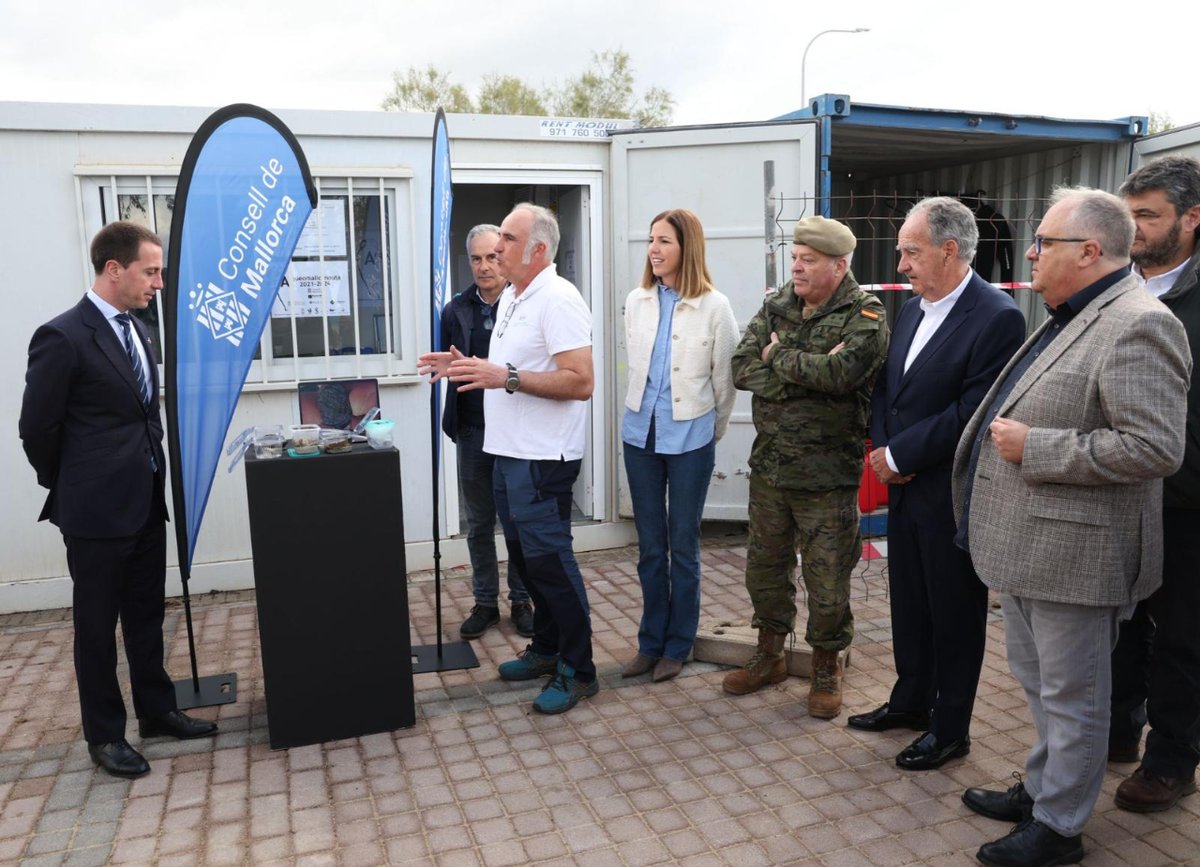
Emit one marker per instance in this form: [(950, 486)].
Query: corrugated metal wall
[(1016, 186)]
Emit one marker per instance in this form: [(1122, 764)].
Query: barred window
[(341, 311)]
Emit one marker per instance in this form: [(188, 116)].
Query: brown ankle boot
[(767, 665), (825, 689)]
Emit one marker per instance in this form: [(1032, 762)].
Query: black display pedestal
[(327, 534)]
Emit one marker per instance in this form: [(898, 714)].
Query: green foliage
[(604, 89), (426, 90), (507, 94), (656, 108), (1160, 121)]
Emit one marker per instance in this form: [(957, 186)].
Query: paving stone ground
[(672, 773)]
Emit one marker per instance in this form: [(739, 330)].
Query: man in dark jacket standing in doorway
[(467, 324)]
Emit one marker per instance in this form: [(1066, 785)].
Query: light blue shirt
[(670, 437), (110, 313)]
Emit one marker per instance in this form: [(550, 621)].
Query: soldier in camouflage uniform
[(809, 357)]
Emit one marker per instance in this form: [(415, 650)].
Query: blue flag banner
[(244, 195), (443, 201), (441, 204)]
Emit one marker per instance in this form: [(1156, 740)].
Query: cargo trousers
[(823, 526)]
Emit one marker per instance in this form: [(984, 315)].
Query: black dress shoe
[(926, 753), (1013, 805), (119, 759), (883, 718), (1032, 844), (176, 724)]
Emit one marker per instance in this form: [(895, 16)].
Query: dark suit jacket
[(921, 413), (85, 431)]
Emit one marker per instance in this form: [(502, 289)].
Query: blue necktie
[(135, 360)]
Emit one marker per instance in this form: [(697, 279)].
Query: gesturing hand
[(437, 363), (474, 373)]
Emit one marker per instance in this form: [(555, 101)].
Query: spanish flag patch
[(870, 314)]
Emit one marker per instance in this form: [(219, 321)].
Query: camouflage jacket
[(811, 408)]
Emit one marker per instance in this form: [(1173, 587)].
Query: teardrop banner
[(440, 656), (244, 194)]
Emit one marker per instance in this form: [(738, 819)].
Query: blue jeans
[(533, 500), (475, 467), (668, 493)]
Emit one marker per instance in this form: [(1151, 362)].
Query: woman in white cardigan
[(680, 335)]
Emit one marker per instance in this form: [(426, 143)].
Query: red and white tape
[(896, 287)]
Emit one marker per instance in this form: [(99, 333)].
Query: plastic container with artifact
[(380, 433), (306, 440)]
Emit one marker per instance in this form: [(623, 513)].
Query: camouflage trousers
[(823, 525)]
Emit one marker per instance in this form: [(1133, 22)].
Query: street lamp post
[(804, 58)]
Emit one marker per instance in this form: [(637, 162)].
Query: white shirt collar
[(1159, 286), (540, 279), (943, 305)]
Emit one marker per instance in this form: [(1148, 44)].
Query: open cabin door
[(737, 179), (575, 264)]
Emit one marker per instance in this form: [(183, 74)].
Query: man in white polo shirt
[(539, 377)]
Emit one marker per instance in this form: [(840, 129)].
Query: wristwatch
[(514, 380)]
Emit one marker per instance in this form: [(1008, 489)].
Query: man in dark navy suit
[(948, 345), (91, 429)]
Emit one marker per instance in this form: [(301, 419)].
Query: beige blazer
[(1080, 519), (703, 336)]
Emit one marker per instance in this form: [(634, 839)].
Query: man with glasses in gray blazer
[(1058, 498)]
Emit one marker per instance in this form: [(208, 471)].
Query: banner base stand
[(455, 656), (214, 689)]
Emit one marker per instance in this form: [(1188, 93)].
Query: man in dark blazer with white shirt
[(948, 345), (90, 427)]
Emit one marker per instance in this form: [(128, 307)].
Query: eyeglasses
[(1039, 241), (507, 316)]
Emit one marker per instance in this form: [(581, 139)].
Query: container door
[(737, 179), (574, 264)]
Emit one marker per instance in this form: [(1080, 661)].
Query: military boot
[(767, 665), (825, 689)]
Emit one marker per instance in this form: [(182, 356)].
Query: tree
[(426, 90), (656, 109), (604, 89), (507, 94), (1160, 121)]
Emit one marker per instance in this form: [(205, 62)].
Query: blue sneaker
[(527, 666), (564, 691)]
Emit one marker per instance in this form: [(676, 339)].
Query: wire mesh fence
[(1006, 230)]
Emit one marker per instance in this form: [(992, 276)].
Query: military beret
[(827, 236)]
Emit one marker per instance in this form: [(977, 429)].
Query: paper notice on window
[(314, 289), (325, 232)]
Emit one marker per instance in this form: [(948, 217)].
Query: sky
[(722, 61)]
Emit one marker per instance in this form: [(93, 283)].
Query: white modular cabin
[(1180, 141), (69, 169)]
